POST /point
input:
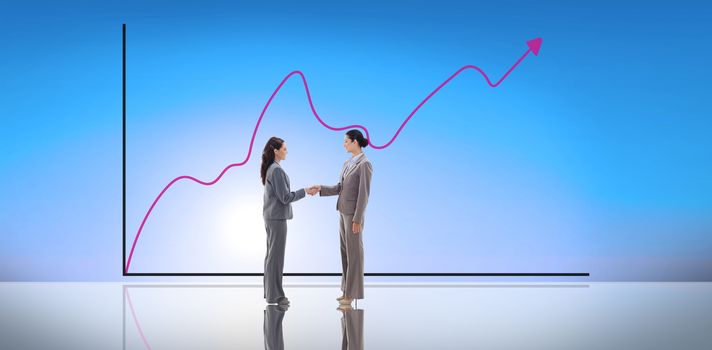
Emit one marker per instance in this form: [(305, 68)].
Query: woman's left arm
[(364, 189)]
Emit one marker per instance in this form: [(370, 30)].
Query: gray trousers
[(352, 330), (351, 258), (272, 327), (274, 259)]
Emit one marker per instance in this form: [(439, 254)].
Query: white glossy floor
[(394, 316)]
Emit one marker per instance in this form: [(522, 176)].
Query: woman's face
[(350, 145), (281, 154)]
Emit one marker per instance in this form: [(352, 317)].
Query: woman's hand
[(313, 190), (356, 228)]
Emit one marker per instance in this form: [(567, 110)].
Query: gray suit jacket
[(353, 189), (278, 197)]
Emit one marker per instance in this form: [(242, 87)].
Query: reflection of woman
[(351, 328), (272, 326), (276, 211), (353, 190)]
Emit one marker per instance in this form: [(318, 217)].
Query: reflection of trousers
[(274, 260), (352, 330), (272, 328), (351, 258)]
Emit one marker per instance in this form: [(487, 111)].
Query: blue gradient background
[(594, 156)]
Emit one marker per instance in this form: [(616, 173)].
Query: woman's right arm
[(330, 190)]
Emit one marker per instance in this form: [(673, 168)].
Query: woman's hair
[(354, 134), (268, 155)]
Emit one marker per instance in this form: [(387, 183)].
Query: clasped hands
[(313, 190)]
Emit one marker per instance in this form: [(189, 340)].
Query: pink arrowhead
[(534, 45)]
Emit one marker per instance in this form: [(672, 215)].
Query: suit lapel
[(343, 170), (358, 162)]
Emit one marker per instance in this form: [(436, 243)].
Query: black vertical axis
[(123, 147)]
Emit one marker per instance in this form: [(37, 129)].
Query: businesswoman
[(277, 209), (353, 190)]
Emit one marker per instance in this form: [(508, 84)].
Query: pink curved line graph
[(534, 46)]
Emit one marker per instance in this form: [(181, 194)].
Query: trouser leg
[(274, 260), (344, 263), (353, 278)]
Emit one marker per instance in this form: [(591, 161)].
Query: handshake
[(313, 190)]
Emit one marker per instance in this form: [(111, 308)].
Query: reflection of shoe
[(344, 308), (278, 307)]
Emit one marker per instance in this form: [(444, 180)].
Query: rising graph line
[(534, 46)]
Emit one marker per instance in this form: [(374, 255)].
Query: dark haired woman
[(353, 190), (277, 209)]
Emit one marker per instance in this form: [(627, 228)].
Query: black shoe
[(283, 301)]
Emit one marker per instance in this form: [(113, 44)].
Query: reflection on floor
[(393, 316)]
